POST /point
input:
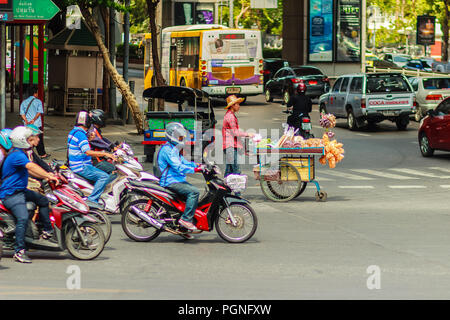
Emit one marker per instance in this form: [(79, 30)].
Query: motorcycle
[(305, 127), (74, 229), (116, 193), (159, 210)]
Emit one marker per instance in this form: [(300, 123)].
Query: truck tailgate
[(389, 103)]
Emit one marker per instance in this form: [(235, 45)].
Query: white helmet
[(19, 137)]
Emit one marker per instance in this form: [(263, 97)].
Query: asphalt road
[(382, 234)]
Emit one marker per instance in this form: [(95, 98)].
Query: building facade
[(188, 12)]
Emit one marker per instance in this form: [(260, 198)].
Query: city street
[(387, 210)]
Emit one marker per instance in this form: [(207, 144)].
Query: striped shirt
[(78, 145)]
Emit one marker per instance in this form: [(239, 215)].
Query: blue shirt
[(177, 166), (14, 173), (35, 107), (78, 145)]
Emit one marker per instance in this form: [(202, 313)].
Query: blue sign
[(320, 46)]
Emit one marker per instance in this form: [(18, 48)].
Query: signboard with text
[(320, 44), (34, 10), (348, 31)]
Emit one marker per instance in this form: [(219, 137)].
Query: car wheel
[(351, 120), (418, 114), (424, 144), (268, 95), (286, 96), (402, 123), (182, 82)]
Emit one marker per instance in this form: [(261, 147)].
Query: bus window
[(188, 47)]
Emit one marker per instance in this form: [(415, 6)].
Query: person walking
[(31, 111), (231, 135)]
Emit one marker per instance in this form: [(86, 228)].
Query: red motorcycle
[(159, 210), (74, 228)]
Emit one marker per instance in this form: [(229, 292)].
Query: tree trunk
[(243, 10), (116, 77), (105, 81), (151, 10)]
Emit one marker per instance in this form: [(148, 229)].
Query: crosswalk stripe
[(383, 174), (407, 187), (440, 169), (346, 175), (419, 173), (356, 187), (323, 179), (445, 186)]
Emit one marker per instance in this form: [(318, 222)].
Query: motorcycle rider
[(98, 142), (300, 105), (32, 155), (5, 144), (79, 155), (173, 168), (14, 192)]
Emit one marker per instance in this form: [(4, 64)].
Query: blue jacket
[(177, 166)]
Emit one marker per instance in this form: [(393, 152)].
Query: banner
[(426, 30), (320, 45), (348, 31)]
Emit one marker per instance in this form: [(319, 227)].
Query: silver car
[(430, 91), (371, 97)]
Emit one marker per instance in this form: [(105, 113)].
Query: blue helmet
[(4, 139), (35, 129)]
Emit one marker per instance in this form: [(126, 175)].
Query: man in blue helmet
[(173, 168)]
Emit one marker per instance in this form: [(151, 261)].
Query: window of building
[(187, 13)]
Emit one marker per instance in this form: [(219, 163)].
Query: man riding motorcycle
[(173, 168), (79, 155), (14, 192), (300, 105)]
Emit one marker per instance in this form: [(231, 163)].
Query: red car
[(434, 130)]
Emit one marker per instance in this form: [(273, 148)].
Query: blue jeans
[(108, 167), (231, 161), (100, 177), (191, 194), (17, 204)]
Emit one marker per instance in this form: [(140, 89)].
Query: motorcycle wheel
[(246, 225), (104, 223), (92, 233), (136, 228)]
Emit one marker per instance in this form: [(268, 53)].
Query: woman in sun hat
[(231, 135)]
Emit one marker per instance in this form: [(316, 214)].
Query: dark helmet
[(83, 119), (98, 117), (301, 88)]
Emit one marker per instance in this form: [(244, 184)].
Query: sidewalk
[(57, 128)]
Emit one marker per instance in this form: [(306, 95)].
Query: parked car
[(384, 64), (430, 91), (399, 59), (443, 67), (271, 66), (417, 64), (285, 82), (434, 130), (371, 97)]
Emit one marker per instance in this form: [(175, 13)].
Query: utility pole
[(231, 15), (363, 36), (126, 54)]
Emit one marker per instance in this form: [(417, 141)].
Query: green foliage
[(136, 52)]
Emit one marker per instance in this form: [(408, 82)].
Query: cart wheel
[(281, 182), (321, 196)]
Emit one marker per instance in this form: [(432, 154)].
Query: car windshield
[(436, 83), (307, 71), (387, 83), (401, 59), (425, 64)]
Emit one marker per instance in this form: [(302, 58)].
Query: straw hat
[(233, 100)]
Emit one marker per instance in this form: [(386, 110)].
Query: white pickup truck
[(371, 98)]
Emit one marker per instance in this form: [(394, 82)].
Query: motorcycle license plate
[(233, 90), (306, 126), (313, 82)]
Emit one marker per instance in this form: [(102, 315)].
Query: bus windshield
[(232, 46)]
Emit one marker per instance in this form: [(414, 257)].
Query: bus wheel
[(182, 82)]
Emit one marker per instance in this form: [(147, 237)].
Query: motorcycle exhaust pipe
[(141, 214)]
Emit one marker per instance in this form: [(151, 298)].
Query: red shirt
[(230, 131)]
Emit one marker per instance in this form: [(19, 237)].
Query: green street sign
[(34, 9)]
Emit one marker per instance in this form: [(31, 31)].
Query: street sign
[(34, 10)]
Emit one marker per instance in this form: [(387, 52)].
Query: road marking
[(383, 174), (347, 175), (356, 187), (419, 173), (363, 134), (445, 186), (324, 179), (440, 169), (407, 187)]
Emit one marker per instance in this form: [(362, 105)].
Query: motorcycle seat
[(152, 185)]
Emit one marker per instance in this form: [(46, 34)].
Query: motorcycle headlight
[(80, 206)]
